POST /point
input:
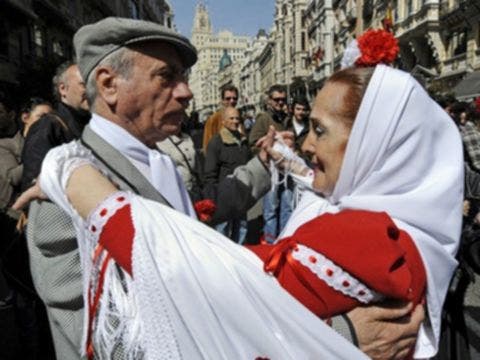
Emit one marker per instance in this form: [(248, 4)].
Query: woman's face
[(327, 140), (37, 112)]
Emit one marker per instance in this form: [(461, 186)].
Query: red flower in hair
[(205, 209), (377, 47)]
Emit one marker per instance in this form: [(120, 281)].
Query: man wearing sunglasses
[(277, 203), (214, 122)]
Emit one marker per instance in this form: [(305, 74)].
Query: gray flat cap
[(94, 42)]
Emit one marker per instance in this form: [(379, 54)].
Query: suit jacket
[(54, 256)]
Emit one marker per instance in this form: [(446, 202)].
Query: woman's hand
[(29, 195)]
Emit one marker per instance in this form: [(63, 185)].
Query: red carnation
[(376, 47), (477, 104), (205, 209)]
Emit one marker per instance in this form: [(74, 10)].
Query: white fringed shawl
[(194, 294)]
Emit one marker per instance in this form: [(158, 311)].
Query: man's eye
[(319, 131), (168, 76)]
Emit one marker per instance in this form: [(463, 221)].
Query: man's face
[(231, 119), (72, 89), (152, 101), (300, 112), (230, 98), (277, 100)]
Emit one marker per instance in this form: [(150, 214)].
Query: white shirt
[(158, 168)]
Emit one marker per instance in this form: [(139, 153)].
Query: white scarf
[(156, 166), (404, 156)]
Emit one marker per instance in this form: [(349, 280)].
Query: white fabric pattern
[(194, 293), (408, 162), (334, 276)]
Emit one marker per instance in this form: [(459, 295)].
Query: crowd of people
[(361, 190)]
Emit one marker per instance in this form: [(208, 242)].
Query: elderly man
[(136, 85), (138, 93)]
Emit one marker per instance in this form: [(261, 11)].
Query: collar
[(229, 138), (119, 138)]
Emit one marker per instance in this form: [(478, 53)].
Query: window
[(58, 48), (39, 41), (409, 7), (459, 42), (3, 40), (133, 9)]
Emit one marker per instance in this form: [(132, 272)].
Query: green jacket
[(262, 124)]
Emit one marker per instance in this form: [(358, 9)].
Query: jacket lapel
[(120, 166)]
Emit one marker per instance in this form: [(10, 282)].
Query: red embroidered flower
[(205, 209), (377, 47)]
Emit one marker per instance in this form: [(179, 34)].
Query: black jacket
[(225, 152), (60, 127)]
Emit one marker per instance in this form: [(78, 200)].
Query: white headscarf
[(404, 156)]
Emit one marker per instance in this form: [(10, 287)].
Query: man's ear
[(107, 81), (62, 89)]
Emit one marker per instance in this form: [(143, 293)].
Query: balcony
[(455, 64)]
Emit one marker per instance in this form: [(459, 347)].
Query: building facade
[(204, 77), (36, 36)]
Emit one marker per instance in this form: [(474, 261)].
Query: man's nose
[(182, 92)]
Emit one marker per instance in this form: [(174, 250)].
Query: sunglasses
[(282, 99), (230, 98)]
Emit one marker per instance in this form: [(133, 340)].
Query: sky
[(241, 17)]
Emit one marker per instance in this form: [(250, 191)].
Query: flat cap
[(95, 41)]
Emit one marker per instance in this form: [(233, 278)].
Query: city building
[(36, 36), (204, 80), (290, 45), (250, 86)]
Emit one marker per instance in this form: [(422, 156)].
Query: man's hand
[(33, 193), (388, 330)]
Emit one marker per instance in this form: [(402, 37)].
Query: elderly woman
[(377, 143)]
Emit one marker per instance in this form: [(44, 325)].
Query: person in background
[(31, 324), (213, 124), (300, 124), (277, 204), (248, 122), (226, 151), (181, 149), (462, 115), (64, 125)]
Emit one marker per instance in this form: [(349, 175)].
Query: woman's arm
[(85, 189)]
